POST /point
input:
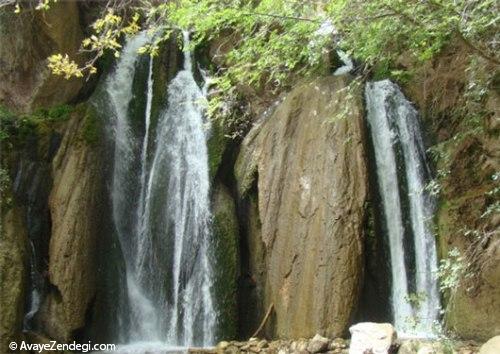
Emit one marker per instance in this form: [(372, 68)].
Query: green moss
[(91, 127), (7, 119), (16, 129), (225, 229), (59, 113), (216, 146), (5, 191)]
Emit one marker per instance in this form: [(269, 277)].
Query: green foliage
[(92, 127), (16, 129), (268, 44), (6, 120), (265, 49), (451, 270), (59, 113), (380, 31), (5, 195), (493, 194)]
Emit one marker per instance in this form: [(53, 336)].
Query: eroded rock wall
[(306, 248), (26, 40), (466, 140), (75, 206), (14, 271)]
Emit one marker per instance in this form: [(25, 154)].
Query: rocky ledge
[(366, 338)]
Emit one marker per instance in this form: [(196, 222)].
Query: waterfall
[(161, 209), (402, 173), (36, 283)]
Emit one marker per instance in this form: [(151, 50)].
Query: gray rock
[(318, 344), (370, 337), (492, 346)]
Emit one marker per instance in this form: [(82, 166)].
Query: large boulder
[(318, 344), (13, 276), (492, 346), (26, 40), (305, 246), (370, 337), (75, 208)]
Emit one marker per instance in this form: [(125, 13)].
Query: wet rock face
[(475, 312), (26, 40), (466, 197), (225, 234), (13, 276), (311, 188), (75, 207), (469, 162)]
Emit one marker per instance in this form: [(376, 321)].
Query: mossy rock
[(92, 126), (216, 145), (226, 241)]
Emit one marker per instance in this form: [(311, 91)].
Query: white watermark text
[(55, 346)]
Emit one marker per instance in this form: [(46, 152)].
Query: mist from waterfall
[(161, 208), (402, 174)]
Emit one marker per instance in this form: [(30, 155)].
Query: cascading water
[(36, 282), (161, 210), (402, 172)]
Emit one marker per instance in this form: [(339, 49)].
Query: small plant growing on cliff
[(267, 45), (451, 270), (494, 193), (5, 183)]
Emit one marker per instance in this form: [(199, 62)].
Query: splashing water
[(399, 146), (161, 210)]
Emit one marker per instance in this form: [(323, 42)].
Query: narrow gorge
[(323, 215)]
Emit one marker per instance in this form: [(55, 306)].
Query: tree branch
[(266, 317), (282, 17)]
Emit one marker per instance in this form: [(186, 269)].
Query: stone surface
[(318, 344), (473, 163), (483, 297), (26, 40), (13, 276), (417, 346), (226, 239), (492, 346), (305, 237), (469, 162), (370, 337), (75, 211), (299, 346)]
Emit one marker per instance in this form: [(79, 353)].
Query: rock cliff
[(27, 40), (469, 158), (308, 162), (74, 203), (13, 276)]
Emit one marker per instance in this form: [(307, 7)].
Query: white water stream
[(395, 129), (161, 210)]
